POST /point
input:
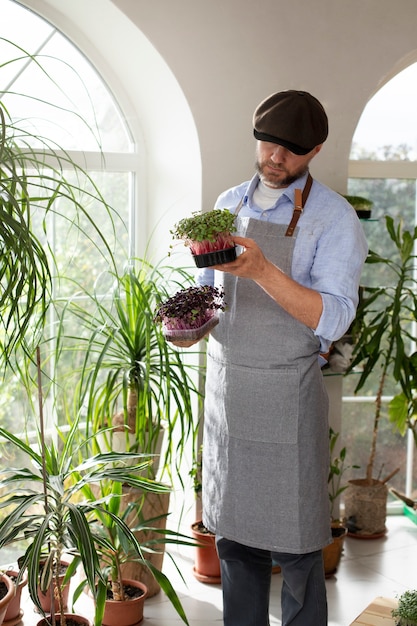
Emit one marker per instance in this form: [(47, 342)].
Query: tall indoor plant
[(137, 392), (384, 337), (114, 530), (130, 379), (38, 179), (47, 509)]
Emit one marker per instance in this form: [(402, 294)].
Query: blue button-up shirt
[(329, 252)]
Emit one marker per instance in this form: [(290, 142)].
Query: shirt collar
[(289, 191)]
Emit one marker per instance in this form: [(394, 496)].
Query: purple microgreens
[(190, 308)]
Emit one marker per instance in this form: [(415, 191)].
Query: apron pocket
[(262, 404)]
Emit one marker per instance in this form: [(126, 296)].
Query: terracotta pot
[(128, 612), (8, 597), (45, 598), (333, 552), (71, 618), (206, 564), (14, 612)]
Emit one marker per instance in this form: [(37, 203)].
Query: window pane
[(64, 100), (60, 91), (390, 197), (387, 129)]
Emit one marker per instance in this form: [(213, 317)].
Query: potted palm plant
[(190, 313), (47, 511), (115, 529), (208, 235), (135, 389), (130, 380), (384, 339)]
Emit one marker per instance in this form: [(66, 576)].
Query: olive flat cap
[(293, 119)]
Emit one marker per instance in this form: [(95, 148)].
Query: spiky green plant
[(48, 509), (130, 378), (384, 334)]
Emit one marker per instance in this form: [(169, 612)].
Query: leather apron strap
[(300, 200)]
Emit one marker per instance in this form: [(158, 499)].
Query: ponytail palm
[(41, 188), (25, 277), (131, 378)]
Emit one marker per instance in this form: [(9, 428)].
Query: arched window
[(58, 94), (383, 168), (59, 107), (51, 91)]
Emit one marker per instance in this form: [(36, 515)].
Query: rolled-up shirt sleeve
[(335, 274)]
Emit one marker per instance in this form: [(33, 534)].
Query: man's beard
[(277, 181)]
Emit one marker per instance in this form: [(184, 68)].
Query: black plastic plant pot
[(364, 214), (217, 257)]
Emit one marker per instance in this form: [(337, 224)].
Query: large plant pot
[(155, 508), (333, 552), (7, 590), (366, 508), (206, 562), (72, 619), (14, 611), (128, 612), (118, 440), (45, 599)]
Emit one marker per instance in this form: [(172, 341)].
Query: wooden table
[(378, 613)]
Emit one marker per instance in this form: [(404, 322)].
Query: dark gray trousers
[(246, 583)]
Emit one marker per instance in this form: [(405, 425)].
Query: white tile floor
[(369, 568)]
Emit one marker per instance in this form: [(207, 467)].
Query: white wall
[(155, 108), (189, 74), (229, 54)]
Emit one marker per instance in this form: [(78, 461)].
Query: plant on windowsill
[(384, 337), (190, 313), (362, 206), (208, 235), (406, 612)]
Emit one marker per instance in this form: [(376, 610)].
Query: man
[(291, 292)]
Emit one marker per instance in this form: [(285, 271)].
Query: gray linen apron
[(266, 442)]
